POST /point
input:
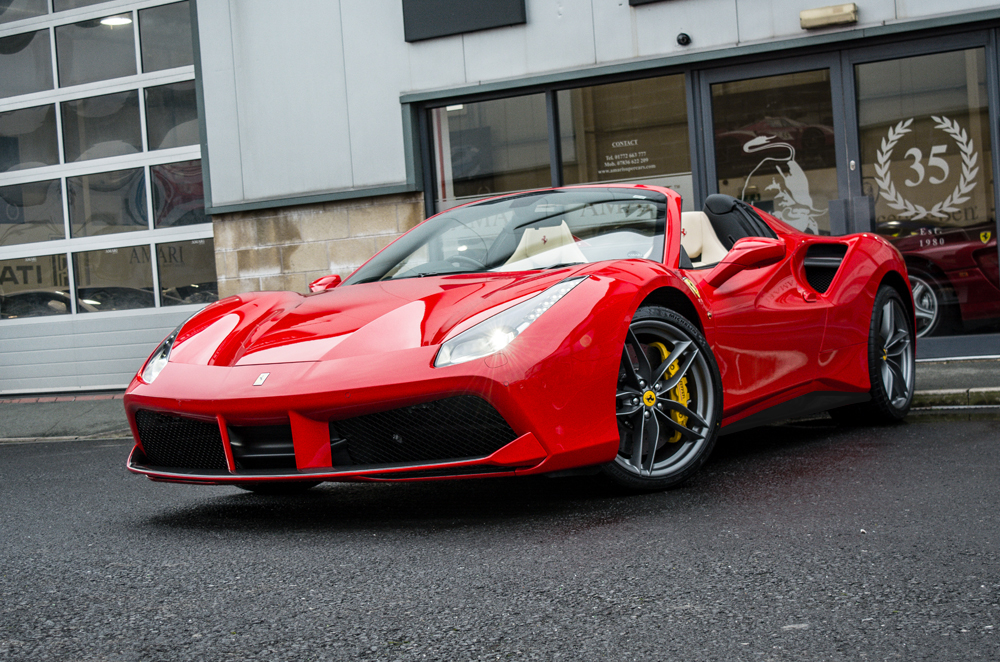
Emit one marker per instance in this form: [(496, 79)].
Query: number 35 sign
[(936, 166)]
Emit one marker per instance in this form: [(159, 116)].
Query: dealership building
[(155, 156)]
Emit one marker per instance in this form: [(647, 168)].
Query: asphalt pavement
[(803, 542), (941, 385)]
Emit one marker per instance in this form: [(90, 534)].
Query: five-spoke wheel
[(895, 342), (668, 401)]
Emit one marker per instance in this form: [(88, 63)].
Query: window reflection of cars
[(38, 303), (116, 298), (193, 293), (953, 272)]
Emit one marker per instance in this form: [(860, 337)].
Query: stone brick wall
[(289, 247)]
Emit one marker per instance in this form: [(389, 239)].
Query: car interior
[(706, 236)]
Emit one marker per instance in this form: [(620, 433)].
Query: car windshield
[(530, 231)]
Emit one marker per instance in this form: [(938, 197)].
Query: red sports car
[(579, 329), (954, 274)]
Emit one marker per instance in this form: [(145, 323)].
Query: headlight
[(493, 334), (157, 361)]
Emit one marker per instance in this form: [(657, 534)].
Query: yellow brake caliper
[(678, 393)]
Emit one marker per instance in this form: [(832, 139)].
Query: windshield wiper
[(561, 265)]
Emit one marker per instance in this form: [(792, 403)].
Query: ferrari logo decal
[(260, 380), (985, 236), (692, 287), (649, 398)]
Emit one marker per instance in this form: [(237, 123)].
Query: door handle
[(808, 296)]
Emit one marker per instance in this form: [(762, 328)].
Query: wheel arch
[(676, 300), (896, 281)]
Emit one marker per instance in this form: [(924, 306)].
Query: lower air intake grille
[(449, 429), (822, 263), (180, 443), (820, 278)]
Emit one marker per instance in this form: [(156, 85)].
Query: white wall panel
[(496, 54), (710, 23), (101, 350), (923, 8), (221, 116), (375, 57), (560, 35), (292, 97), (436, 63), (614, 31)]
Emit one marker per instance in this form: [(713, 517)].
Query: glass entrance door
[(774, 141), (926, 161)]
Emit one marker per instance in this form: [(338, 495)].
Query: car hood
[(367, 318)]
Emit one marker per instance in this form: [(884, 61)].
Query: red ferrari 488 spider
[(592, 328)]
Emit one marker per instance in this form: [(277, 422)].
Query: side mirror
[(747, 253), (324, 283)]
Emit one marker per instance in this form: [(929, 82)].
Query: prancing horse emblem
[(260, 380), (985, 236)]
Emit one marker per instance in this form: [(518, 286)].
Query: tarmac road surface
[(796, 542)]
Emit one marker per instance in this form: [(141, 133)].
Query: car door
[(769, 327)]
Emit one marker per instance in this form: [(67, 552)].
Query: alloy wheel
[(664, 400), (896, 369)]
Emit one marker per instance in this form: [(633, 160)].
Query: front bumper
[(551, 397), (456, 436)]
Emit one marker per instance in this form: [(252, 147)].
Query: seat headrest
[(720, 204)]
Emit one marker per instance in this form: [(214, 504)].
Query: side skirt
[(804, 405)]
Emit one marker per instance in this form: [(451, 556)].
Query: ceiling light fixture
[(113, 21)]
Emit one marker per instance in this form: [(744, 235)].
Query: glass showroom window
[(774, 145), (95, 50), (490, 147), (15, 10), (926, 161), (628, 131), (28, 138), (31, 212), (26, 63), (34, 286), (631, 131), (101, 198)]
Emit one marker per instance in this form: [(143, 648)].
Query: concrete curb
[(958, 397), (61, 398)]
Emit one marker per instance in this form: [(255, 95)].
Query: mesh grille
[(449, 429), (821, 264), (180, 443), (820, 277)]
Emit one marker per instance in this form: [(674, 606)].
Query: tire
[(674, 420), (280, 488), (934, 315), (891, 364)]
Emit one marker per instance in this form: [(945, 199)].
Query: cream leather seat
[(699, 239), (555, 242)]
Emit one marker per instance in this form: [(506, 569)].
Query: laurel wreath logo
[(966, 182)]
